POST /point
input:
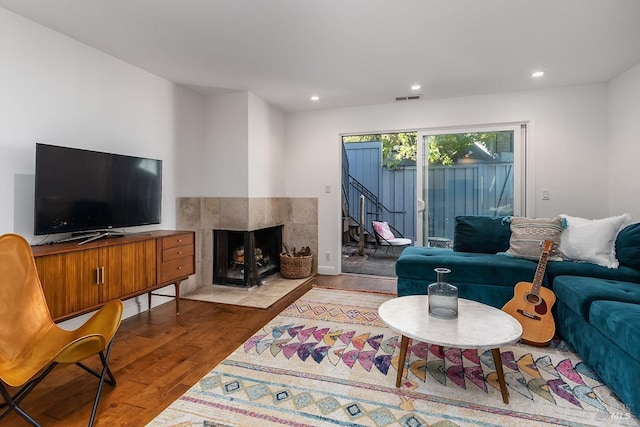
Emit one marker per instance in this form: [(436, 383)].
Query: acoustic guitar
[(531, 305)]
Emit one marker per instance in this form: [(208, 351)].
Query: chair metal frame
[(389, 244), (13, 402)]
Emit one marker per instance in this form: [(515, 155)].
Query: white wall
[(226, 151), (58, 91), (243, 154), (189, 146), (267, 161), (624, 143), (567, 148)]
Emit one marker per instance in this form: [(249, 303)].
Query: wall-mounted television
[(80, 190)]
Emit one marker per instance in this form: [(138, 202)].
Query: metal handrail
[(372, 200), (361, 189), (371, 197)]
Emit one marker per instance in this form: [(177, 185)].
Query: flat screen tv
[(81, 190)]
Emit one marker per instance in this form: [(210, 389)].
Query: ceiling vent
[(408, 98)]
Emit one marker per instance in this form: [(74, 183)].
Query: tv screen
[(80, 190)]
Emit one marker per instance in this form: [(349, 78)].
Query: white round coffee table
[(477, 326)]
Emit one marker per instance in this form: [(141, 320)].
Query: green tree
[(443, 149), (396, 147), (447, 149)]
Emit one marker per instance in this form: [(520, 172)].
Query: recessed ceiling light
[(537, 74), (315, 98), (415, 87)]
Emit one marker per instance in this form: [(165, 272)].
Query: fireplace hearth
[(244, 258)]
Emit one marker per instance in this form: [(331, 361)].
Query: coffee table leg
[(497, 360), (404, 343)]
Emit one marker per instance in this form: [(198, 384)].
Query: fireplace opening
[(244, 258)]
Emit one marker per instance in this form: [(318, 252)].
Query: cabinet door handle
[(179, 252), (179, 268), (98, 276), (102, 274)]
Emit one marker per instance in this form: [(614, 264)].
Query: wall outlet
[(546, 194), (327, 256)]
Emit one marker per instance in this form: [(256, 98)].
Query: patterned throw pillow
[(383, 230), (594, 240), (528, 234)]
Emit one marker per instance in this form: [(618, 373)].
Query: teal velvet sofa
[(597, 311), (600, 320)]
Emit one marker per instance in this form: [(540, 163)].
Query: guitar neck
[(537, 278)]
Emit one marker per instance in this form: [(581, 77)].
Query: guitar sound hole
[(533, 299)]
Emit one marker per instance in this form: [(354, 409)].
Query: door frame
[(520, 176)]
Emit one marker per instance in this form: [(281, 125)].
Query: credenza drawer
[(177, 268), (177, 252), (178, 240)]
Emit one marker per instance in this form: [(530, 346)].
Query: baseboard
[(328, 270)]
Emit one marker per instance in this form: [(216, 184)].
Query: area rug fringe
[(328, 360), (387, 293)]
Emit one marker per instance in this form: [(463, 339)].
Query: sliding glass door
[(468, 171)]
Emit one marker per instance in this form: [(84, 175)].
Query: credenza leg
[(177, 286)]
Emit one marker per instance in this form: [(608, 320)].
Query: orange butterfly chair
[(31, 344)]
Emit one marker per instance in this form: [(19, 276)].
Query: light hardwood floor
[(157, 356)]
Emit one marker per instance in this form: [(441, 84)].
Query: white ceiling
[(355, 52)]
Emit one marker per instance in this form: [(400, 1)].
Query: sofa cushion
[(617, 368), (487, 269), (628, 246), (587, 269), (579, 293), (620, 322), (481, 234), (527, 235), (592, 240)]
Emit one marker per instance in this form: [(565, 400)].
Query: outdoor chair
[(31, 344), (387, 235)]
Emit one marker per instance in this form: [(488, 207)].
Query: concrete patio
[(380, 264)]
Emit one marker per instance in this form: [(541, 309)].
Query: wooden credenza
[(79, 279)]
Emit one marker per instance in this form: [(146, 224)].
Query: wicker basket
[(295, 267)]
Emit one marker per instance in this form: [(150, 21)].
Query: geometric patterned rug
[(329, 360)]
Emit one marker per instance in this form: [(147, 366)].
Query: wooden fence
[(467, 189), (483, 188)]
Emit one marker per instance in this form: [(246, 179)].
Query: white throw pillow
[(592, 240)]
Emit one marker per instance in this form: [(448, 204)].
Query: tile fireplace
[(244, 258), (204, 215)]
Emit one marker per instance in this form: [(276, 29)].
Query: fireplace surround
[(299, 215)]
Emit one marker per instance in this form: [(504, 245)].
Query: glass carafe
[(443, 296)]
